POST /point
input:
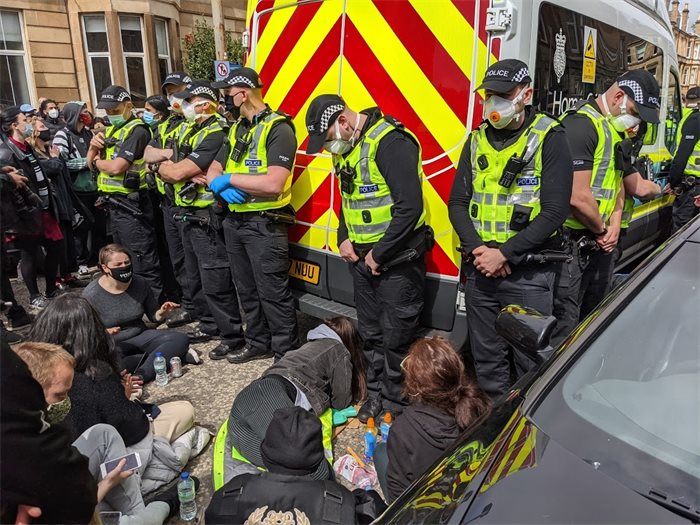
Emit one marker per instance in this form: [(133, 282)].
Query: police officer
[(685, 169), (254, 176), (194, 304), (595, 133), (509, 198), (378, 163), (117, 157), (200, 213)]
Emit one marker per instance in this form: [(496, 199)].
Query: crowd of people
[(184, 209)]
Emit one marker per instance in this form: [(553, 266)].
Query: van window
[(673, 111), (561, 53)]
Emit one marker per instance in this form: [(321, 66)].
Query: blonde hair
[(42, 359)]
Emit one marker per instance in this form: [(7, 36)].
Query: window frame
[(143, 55), (166, 57), (89, 55), (24, 54)]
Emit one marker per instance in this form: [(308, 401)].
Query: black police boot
[(370, 408), (222, 351), (248, 353), (198, 336), (179, 318)]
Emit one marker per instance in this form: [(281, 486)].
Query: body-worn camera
[(347, 179), (132, 180), (240, 148), (511, 170)]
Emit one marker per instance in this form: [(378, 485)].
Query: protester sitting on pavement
[(53, 369), (100, 395), (121, 298), (41, 472), (40, 228), (443, 401), (298, 482), (326, 372)]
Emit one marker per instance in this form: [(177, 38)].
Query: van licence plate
[(306, 271)]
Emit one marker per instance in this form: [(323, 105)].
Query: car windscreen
[(629, 405)]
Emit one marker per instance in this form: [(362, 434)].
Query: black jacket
[(251, 498), (39, 466), (102, 400), (321, 369), (417, 438)]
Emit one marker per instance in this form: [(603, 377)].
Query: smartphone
[(133, 461), (110, 517)]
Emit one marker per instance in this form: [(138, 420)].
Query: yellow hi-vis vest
[(606, 180), (492, 205), (692, 167), (202, 196), (368, 209), (106, 183), (168, 131), (254, 162)]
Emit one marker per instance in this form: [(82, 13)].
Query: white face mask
[(53, 113), (339, 145), (500, 111), (189, 110), (624, 120), (175, 104)]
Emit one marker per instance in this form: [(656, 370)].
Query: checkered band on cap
[(123, 96), (636, 89), (203, 90), (327, 114), (520, 75), (186, 79), (239, 79)]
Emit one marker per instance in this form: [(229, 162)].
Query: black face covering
[(123, 274), (231, 107), (45, 135)]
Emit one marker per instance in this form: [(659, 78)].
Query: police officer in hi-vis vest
[(509, 199), (381, 233), (596, 133), (117, 157), (685, 169), (199, 211), (253, 173)]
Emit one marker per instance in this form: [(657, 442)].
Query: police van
[(419, 60)]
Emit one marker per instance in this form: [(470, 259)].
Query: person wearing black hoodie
[(442, 403), (72, 142)]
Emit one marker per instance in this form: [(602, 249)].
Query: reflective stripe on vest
[(492, 206), (164, 135), (627, 212), (692, 167), (202, 196), (368, 209), (107, 183), (254, 162), (606, 181)]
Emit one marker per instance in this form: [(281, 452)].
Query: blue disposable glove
[(220, 183), (233, 196)]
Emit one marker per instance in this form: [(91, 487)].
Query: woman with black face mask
[(121, 298)]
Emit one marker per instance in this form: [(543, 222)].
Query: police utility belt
[(421, 242)]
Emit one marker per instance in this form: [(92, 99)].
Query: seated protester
[(442, 403), (53, 369), (101, 394), (327, 372), (39, 467), (121, 298), (299, 482), (70, 210)]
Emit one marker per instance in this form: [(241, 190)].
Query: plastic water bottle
[(385, 426), (161, 371), (186, 495), (370, 444)]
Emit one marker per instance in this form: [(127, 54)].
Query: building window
[(689, 49), (14, 86), (693, 75), (696, 55), (686, 74), (163, 48), (134, 58), (97, 50)]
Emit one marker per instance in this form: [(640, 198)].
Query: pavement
[(211, 388)]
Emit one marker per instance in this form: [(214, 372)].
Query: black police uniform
[(684, 208)]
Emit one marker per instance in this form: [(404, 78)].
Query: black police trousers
[(389, 307), (258, 252), (176, 250), (684, 208), (139, 237), (529, 286), (205, 245)]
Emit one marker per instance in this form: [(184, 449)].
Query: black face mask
[(231, 107), (45, 135), (123, 274)]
